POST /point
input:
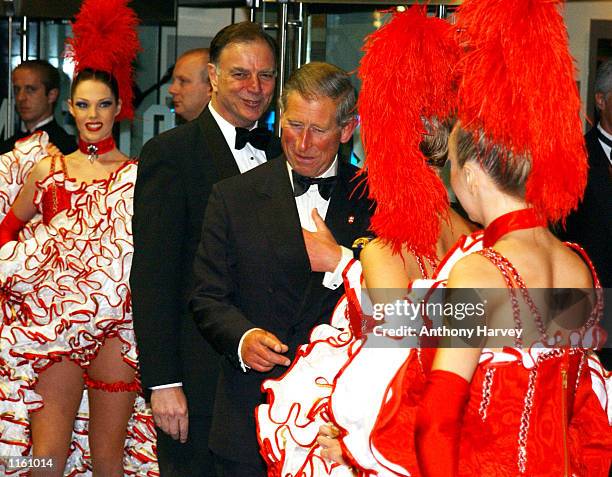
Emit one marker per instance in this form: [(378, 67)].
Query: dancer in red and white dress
[(66, 318), (537, 405)]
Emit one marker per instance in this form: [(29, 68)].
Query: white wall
[(207, 22)]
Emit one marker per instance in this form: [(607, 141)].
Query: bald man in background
[(190, 87)]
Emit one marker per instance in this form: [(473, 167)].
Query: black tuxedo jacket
[(252, 270), (57, 135), (591, 224), (176, 173)]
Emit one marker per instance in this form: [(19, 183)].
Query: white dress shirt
[(604, 146), (246, 158), (38, 125), (313, 200)]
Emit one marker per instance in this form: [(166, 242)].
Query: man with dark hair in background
[(190, 88), (269, 265), (176, 173), (36, 87)]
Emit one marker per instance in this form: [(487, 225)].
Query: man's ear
[(346, 131), (600, 101), (52, 95), (212, 77)]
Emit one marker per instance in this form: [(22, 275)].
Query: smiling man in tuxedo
[(270, 260), (176, 172)]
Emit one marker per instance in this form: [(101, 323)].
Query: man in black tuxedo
[(36, 85), (591, 224), (268, 267), (175, 175)]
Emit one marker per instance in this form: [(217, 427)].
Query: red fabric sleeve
[(438, 424), (10, 228)]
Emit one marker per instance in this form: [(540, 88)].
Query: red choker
[(95, 149), (504, 224)]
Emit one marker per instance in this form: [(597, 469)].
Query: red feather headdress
[(518, 87), (105, 39), (407, 75)]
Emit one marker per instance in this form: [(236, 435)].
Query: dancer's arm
[(23, 208), (438, 426)]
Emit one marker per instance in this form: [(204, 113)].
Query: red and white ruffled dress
[(63, 290)]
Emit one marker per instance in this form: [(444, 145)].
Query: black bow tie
[(301, 184), (258, 137)]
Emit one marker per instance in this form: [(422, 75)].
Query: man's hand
[(323, 251), (262, 350), (169, 406), (330, 444)]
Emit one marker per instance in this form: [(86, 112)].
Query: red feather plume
[(105, 39), (407, 75), (518, 87)]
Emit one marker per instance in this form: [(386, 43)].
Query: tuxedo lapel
[(274, 148), (280, 221), (341, 215), (218, 150)]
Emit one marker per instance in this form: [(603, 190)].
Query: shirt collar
[(604, 132), (38, 125), (227, 129), (330, 172)]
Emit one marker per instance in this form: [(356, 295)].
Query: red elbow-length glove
[(10, 228), (438, 424)]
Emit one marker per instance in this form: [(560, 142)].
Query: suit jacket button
[(270, 290)]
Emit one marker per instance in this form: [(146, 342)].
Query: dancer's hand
[(169, 406)]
